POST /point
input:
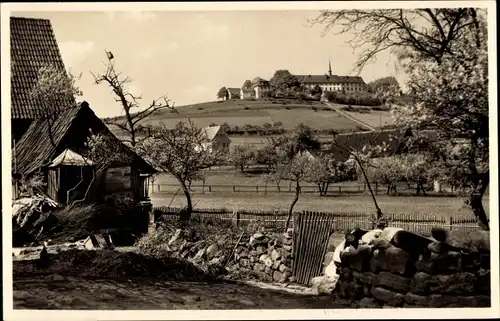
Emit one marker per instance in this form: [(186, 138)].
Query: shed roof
[(69, 157), (32, 46), (41, 142), (211, 131)]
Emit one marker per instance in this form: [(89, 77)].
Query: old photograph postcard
[(250, 160)]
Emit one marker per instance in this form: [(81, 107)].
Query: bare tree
[(183, 152), (429, 32), (129, 102)]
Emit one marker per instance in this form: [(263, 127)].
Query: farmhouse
[(33, 45), (54, 151), (258, 88), (217, 139), (330, 82), (233, 93)]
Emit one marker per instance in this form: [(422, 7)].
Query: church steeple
[(329, 67)]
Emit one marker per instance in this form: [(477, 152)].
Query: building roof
[(234, 91), (345, 143), (69, 157), (333, 79), (212, 131), (41, 143), (32, 46)]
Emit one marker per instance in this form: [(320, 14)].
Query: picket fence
[(341, 221)]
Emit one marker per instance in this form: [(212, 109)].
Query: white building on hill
[(329, 82), (218, 140)]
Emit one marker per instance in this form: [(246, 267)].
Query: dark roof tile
[(32, 46)]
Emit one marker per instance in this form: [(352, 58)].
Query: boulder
[(390, 297), (287, 247), (474, 241), (338, 250), (411, 242), (368, 303), (275, 255), (323, 285), (417, 300), (388, 233), (259, 267), (244, 254), (212, 250), (393, 281), (366, 277), (438, 247), (392, 259), (268, 270), (279, 277), (245, 263), (283, 268), (453, 284), (276, 264), (260, 250), (420, 283), (371, 236), (332, 243)]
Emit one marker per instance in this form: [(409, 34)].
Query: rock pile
[(267, 254), (402, 269)]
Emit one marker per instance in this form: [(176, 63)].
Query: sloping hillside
[(256, 112)]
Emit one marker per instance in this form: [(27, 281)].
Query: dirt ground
[(66, 292)]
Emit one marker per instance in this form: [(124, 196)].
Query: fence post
[(158, 188), (234, 188), (237, 217), (449, 221), (209, 188), (359, 188), (257, 188), (340, 189)]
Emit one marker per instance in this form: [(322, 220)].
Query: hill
[(258, 112)]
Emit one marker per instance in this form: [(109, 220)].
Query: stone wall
[(263, 255), (266, 256), (402, 269)]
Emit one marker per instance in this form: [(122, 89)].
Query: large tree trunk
[(185, 213), (476, 201), (290, 211)]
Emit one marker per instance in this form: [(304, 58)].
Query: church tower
[(329, 67)]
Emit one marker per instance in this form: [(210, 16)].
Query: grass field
[(439, 206), (241, 112), (375, 118)]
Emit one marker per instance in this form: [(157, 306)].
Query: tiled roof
[(41, 144), (344, 143), (333, 79), (32, 46)]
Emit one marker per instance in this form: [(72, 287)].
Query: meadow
[(258, 112)]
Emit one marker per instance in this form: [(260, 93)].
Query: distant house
[(55, 153), (330, 82), (233, 93), (257, 89), (32, 46), (218, 140), (261, 87), (247, 93)]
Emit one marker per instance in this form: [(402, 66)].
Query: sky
[(189, 55)]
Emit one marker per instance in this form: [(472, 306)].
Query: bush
[(356, 98), (246, 108), (199, 108)]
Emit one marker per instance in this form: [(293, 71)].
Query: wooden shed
[(69, 177)]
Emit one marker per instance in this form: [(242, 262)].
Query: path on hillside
[(66, 292), (354, 119)]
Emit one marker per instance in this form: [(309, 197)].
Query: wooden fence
[(333, 189), (310, 240), (342, 221)]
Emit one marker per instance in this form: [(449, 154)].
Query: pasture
[(439, 206), (258, 112)]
